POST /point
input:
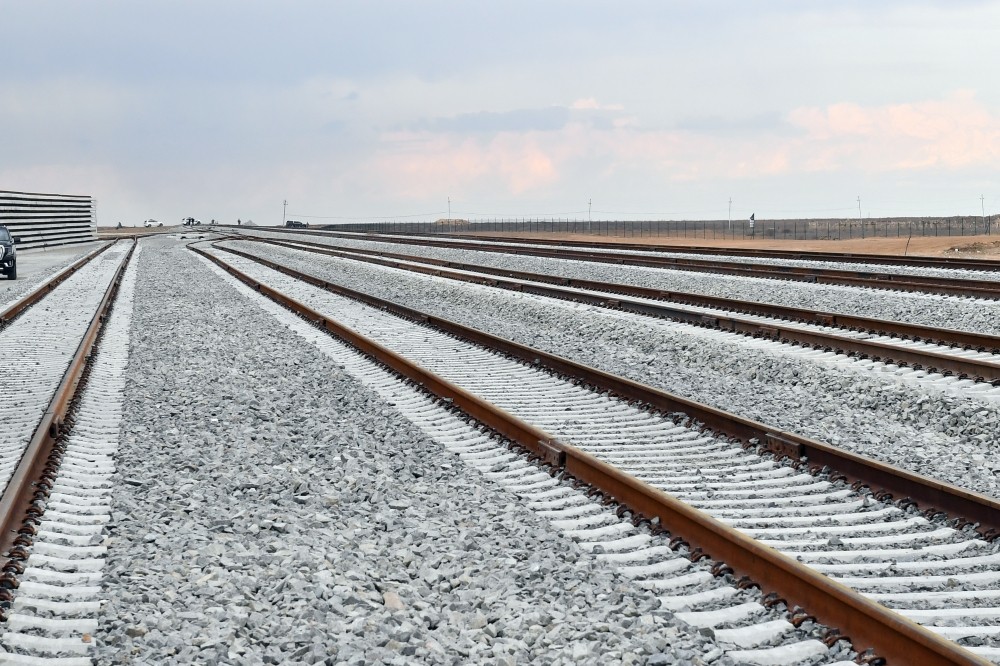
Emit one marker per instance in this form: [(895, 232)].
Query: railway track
[(951, 263), (579, 420), (55, 454), (744, 628), (16, 306), (921, 349), (985, 287)]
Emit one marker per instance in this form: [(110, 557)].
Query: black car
[(8, 255), (296, 224)]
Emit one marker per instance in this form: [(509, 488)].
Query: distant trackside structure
[(41, 220)]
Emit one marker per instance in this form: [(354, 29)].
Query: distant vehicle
[(191, 222), (8, 253), (151, 223), (296, 224)]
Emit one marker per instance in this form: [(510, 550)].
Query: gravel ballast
[(951, 437), (927, 309), (757, 260), (271, 510), (35, 266)]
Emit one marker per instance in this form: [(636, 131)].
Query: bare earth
[(128, 232), (980, 247)]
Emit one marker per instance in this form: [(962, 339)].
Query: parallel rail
[(987, 289), (963, 263), (16, 502), (567, 289), (25, 302), (868, 624)]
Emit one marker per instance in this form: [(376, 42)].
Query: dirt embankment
[(128, 232)]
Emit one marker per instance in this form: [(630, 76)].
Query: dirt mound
[(977, 248)]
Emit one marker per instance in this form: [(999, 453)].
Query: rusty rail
[(981, 370), (866, 623), (18, 496), (44, 289), (989, 289), (963, 263), (882, 478)]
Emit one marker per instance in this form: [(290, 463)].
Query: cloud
[(771, 121), (954, 132), (950, 133), (518, 120), (549, 119), (418, 165), (590, 103)]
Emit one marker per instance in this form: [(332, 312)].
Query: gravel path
[(932, 432), (927, 309), (271, 510)]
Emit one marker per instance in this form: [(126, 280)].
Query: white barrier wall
[(48, 219)]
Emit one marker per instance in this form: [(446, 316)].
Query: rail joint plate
[(783, 447)]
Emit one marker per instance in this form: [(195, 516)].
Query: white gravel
[(37, 265), (272, 510), (951, 437), (637, 250), (955, 312)]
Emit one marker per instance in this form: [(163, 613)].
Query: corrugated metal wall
[(48, 219)]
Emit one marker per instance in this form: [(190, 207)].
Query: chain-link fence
[(722, 229)]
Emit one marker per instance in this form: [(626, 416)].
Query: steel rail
[(988, 289), (40, 292), (563, 288), (865, 623), (18, 497), (883, 479), (960, 263), (923, 261)]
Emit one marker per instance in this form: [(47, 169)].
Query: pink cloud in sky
[(954, 132), (424, 163)]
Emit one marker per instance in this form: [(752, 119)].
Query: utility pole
[(284, 209), (982, 205), (861, 221), (589, 220), (730, 213)]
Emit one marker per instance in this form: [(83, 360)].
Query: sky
[(361, 111)]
